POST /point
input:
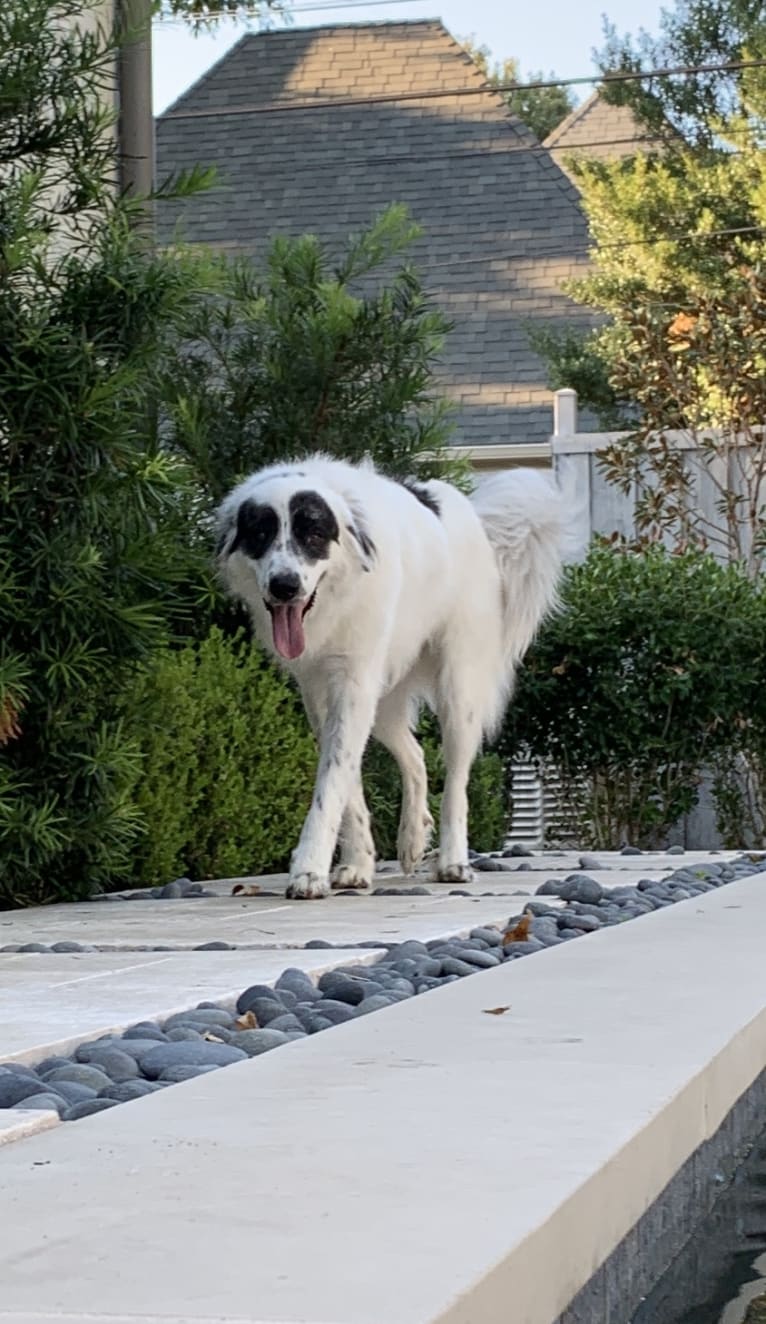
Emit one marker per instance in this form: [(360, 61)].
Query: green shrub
[(228, 763), (487, 799), (648, 675), (313, 353), (93, 512), (228, 767)]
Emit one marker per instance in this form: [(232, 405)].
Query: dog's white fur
[(410, 607)]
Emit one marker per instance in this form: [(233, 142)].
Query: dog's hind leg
[(392, 729), (357, 849), (461, 728)]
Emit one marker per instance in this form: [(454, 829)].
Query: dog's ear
[(225, 533), (361, 537)]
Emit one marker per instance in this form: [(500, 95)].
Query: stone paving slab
[(505, 882), (649, 862), (255, 923), (52, 1003), (271, 921), (430, 1163)]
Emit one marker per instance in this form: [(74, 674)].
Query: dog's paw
[(412, 842), (350, 877), (455, 873), (307, 887)]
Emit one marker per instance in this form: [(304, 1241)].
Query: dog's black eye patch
[(257, 527), (313, 525), (363, 540), (423, 495)]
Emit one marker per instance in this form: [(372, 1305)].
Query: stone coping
[(59, 1001), (430, 1163)]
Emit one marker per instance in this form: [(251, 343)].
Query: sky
[(549, 35)]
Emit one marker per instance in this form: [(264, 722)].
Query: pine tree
[(313, 353), (92, 510)]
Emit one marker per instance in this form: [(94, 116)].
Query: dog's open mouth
[(287, 626)]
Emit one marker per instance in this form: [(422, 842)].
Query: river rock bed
[(150, 1056)]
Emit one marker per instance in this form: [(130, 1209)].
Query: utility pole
[(136, 122)]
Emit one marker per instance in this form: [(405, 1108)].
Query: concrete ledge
[(18, 1123), (430, 1163), (617, 1290)]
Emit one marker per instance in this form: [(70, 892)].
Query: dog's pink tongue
[(287, 627)]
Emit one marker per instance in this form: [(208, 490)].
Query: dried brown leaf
[(246, 1022), (683, 324), (521, 931), (9, 726), (496, 1011)]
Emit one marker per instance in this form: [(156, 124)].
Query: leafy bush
[(228, 763), (91, 509), (312, 355), (228, 767), (487, 799), (649, 673)]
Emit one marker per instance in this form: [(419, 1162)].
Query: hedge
[(229, 764), (652, 671)]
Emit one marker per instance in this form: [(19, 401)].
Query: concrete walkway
[(428, 1163), (52, 1001)]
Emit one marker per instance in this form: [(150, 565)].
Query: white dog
[(377, 596)]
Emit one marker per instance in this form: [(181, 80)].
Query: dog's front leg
[(345, 730)]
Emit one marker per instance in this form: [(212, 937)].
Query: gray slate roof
[(502, 223), (598, 129)]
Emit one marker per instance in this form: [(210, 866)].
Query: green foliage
[(93, 513), (692, 33), (686, 344), (578, 362), (228, 763), (312, 355), (657, 220), (202, 15), (650, 672), (52, 112), (678, 269), (542, 109), (487, 800), (488, 804)]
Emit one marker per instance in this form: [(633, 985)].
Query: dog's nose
[(285, 587)]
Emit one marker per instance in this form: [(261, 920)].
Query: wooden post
[(136, 122)]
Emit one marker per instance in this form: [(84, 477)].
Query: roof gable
[(318, 130), (598, 129), (333, 61)]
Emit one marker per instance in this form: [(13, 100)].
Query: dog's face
[(280, 539)]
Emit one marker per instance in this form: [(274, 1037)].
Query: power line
[(546, 255), (346, 4), (617, 244), (491, 152), (273, 11), (277, 107)]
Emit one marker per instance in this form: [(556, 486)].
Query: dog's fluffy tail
[(522, 511)]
